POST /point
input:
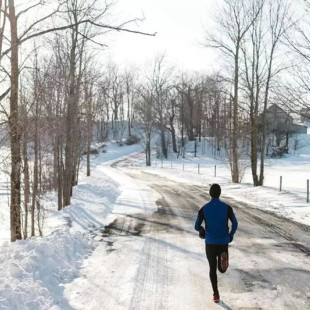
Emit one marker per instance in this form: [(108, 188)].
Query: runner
[(216, 233)]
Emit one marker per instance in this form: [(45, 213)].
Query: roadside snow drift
[(34, 271)]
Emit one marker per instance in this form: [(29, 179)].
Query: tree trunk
[(174, 142), (14, 131), (148, 151), (147, 157), (77, 147), (35, 172), (58, 154), (88, 159), (163, 143), (26, 177), (162, 129), (88, 98), (254, 143), (262, 155), (190, 131), (286, 141), (264, 129), (70, 125), (235, 132), (59, 167), (128, 113), (60, 177)]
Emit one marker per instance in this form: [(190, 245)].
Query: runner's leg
[(223, 258), (211, 253)]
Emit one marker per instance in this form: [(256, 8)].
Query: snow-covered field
[(36, 273), (291, 202)]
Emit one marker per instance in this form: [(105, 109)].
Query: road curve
[(269, 267)]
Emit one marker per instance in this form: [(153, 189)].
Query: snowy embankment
[(33, 271)]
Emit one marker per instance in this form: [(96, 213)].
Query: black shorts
[(213, 252)]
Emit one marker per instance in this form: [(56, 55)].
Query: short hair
[(215, 190)]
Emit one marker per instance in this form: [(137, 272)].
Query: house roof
[(276, 111)]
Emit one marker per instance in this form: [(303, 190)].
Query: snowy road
[(154, 260)]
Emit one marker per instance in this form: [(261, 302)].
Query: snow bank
[(32, 270)]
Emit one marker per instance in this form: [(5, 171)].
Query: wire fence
[(284, 184)]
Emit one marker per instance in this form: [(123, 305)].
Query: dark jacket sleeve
[(199, 220), (234, 222)]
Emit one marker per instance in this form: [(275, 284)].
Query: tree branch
[(43, 32), (29, 8), (4, 94)]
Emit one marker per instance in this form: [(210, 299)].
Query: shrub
[(132, 140)]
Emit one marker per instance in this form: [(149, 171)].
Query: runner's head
[(215, 190)]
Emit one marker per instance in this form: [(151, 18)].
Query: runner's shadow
[(224, 306)]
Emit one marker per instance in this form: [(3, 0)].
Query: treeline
[(251, 105), (57, 98), (48, 100), (264, 46)]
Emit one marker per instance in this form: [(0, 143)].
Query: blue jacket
[(216, 214)]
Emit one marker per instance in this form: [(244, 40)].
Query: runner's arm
[(199, 220), (233, 219)]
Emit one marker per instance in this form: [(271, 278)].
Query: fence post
[(280, 183), (198, 169), (308, 190), (215, 171)]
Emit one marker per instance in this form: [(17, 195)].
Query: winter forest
[(62, 100), (56, 100)]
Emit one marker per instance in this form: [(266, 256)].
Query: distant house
[(280, 126), (297, 129), (279, 121), (305, 115)]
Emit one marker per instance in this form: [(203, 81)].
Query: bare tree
[(131, 94), (25, 156), (254, 74), (76, 49), (172, 98), (279, 22), (14, 129), (295, 91), (102, 112), (3, 21), (88, 15), (159, 82), (89, 89), (260, 69), (36, 144), (186, 88), (234, 21), (215, 113), (144, 109)]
